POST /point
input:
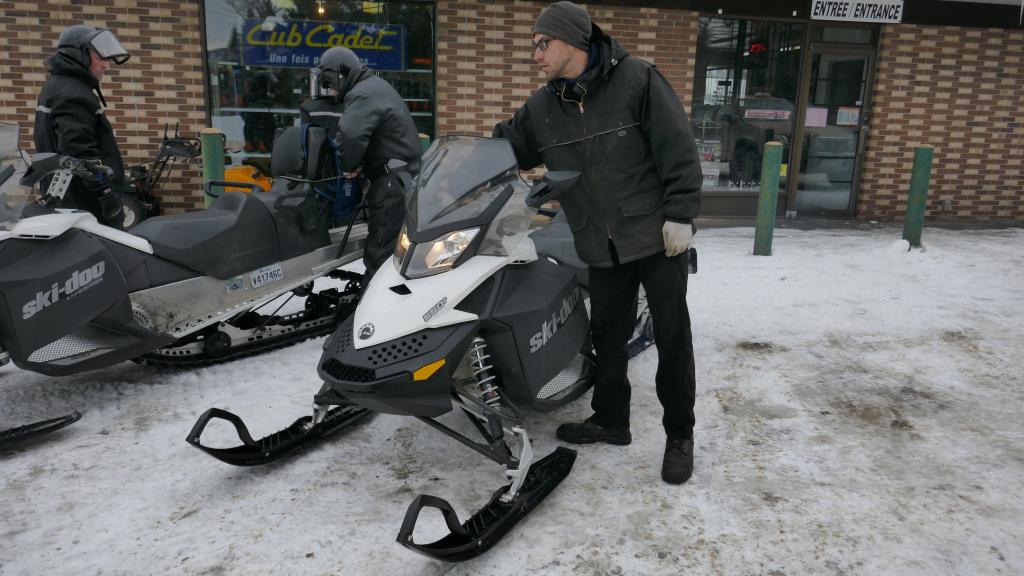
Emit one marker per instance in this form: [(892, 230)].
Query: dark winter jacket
[(376, 125), (70, 121), (622, 126)]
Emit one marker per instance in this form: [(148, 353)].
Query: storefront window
[(261, 52), (745, 94)]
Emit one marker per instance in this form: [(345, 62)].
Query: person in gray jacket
[(375, 127), (617, 121), (70, 118)]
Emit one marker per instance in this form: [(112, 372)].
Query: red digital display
[(756, 47)]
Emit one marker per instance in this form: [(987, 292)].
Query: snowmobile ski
[(13, 436), (485, 528), (301, 433)]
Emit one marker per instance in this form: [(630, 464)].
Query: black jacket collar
[(609, 54), (65, 66)]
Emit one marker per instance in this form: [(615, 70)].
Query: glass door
[(834, 127), (745, 94)]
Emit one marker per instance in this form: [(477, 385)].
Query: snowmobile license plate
[(266, 275)]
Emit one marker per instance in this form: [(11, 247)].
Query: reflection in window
[(261, 52), (744, 95)]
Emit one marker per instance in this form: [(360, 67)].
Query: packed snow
[(858, 412)]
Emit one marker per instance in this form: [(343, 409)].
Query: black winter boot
[(677, 466), (589, 431)]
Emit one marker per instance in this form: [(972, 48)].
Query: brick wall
[(162, 83), (960, 91), (957, 89), (485, 69)]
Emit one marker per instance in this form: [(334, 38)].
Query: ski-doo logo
[(559, 318), (80, 281), (366, 330)]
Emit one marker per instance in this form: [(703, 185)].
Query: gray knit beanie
[(566, 21)]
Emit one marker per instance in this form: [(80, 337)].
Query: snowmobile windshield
[(13, 164), (468, 182)]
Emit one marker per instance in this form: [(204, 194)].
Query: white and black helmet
[(331, 72), (75, 41)]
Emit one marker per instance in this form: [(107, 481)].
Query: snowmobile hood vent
[(386, 353), (346, 373)]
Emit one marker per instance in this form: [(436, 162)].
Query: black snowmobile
[(182, 289), (474, 313)]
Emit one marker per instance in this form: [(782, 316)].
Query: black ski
[(281, 443), (13, 436), (485, 528)]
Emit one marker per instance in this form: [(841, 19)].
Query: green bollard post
[(213, 159), (424, 141), (767, 199), (918, 195)]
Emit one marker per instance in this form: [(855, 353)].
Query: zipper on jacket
[(585, 139), (586, 147)]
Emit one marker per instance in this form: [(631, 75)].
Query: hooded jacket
[(376, 125), (70, 120), (622, 127)]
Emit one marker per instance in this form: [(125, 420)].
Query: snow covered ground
[(859, 412)]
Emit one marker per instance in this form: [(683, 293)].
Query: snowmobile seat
[(301, 215), (235, 234)]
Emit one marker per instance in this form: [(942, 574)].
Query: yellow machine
[(248, 174)]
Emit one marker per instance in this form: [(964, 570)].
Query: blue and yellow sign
[(300, 43)]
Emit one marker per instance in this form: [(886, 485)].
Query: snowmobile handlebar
[(47, 162), (550, 187), (402, 170)]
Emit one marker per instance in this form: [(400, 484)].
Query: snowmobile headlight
[(401, 247), (435, 257)]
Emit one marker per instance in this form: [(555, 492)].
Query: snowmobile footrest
[(269, 448), (15, 435), (485, 528)]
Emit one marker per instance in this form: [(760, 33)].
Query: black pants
[(613, 292), (385, 206)]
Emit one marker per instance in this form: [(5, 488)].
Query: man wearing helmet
[(70, 117), (323, 108), (376, 127)]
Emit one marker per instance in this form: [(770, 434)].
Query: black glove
[(111, 211)]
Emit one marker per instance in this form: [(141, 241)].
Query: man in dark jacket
[(616, 120), (376, 127), (70, 117)]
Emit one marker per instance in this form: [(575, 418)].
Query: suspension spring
[(486, 379)]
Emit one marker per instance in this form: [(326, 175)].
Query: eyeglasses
[(542, 44)]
